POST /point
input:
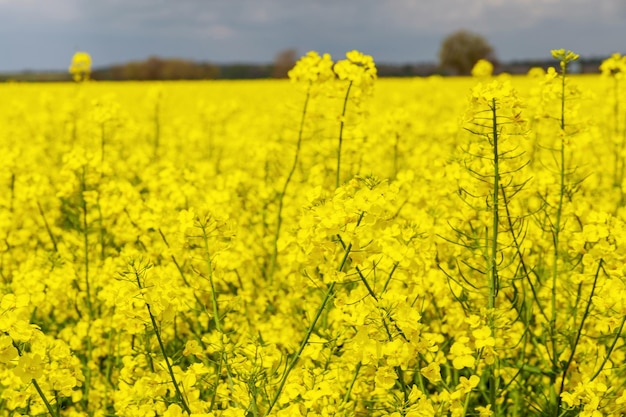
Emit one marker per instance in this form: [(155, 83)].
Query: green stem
[(90, 309), (493, 266), (396, 146), (318, 313), (182, 274), (109, 367), (216, 314), (516, 245), (83, 203), (393, 269), (179, 394), (557, 229), (296, 357), (618, 164), (102, 141), (341, 126), (102, 231), (346, 397), (618, 336), (577, 339), (218, 372), (564, 66), (367, 285), (157, 126), (281, 198), (47, 225), (52, 412), (12, 187)]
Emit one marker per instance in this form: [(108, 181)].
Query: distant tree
[(283, 62), (461, 50), (156, 68)]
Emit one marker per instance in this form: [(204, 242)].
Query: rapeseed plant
[(615, 68), (80, 68), (360, 72)]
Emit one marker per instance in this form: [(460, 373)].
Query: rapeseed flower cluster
[(80, 68), (313, 68), (169, 250), (614, 66), (482, 68)]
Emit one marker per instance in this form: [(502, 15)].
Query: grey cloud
[(254, 30)]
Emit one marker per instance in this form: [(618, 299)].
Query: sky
[(44, 34)]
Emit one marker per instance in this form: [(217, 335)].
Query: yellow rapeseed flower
[(482, 68), (80, 68), (564, 56), (615, 66), (8, 352), (432, 372), (29, 367), (312, 68), (357, 68)]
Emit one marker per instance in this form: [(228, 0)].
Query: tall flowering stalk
[(565, 57), (615, 68), (493, 161), (360, 72), (312, 70)]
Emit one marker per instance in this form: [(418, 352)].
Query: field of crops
[(333, 245)]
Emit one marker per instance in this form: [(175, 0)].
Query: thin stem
[(157, 126), (396, 146), (181, 272), (102, 231), (102, 141), (346, 397), (557, 227), (52, 412), (493, 266), (516, 245), (367, 285), (305, 341), (618, 335), (109, 366), (341, 125), (179, 394), (90, 309), (281, 198), (47, 225), (84, 208), (218, 372), (12, 186), (318, 313), (393, 269), (564, 66), (619, 163), (577, 339), (216, 314)]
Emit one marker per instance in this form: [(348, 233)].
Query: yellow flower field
[(333, 245)]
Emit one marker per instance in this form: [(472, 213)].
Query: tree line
[(458, 53)]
